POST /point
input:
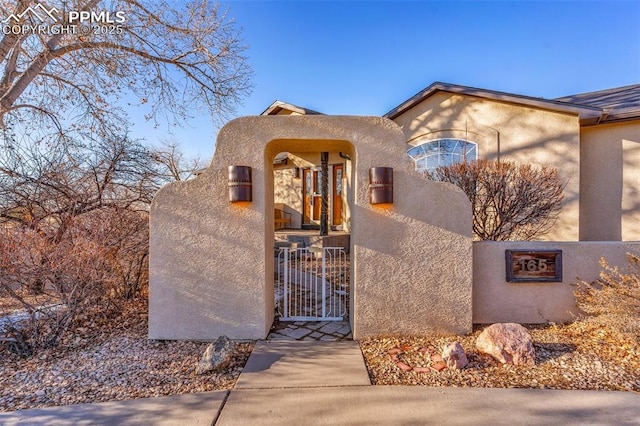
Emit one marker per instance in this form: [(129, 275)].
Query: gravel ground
[(111, 359), (575, 356), (119, 364)]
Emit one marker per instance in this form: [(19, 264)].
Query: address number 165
[(533, 265)]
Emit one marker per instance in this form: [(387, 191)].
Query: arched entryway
[(212, 257), (312, 268)]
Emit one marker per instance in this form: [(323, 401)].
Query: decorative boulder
[(453, 355), (509, 343), (217, 356)]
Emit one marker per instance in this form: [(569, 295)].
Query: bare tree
[(74, 235), (174, 58), (45, 189), (174, 163), (74, 189), (509, 201)]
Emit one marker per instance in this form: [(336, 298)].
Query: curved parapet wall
[(211, 261)]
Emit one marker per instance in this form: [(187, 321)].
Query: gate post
[(285, 301)]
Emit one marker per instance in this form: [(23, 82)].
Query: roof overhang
[(617, 115), (587, 115), (277, 106)]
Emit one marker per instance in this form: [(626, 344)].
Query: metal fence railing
[(312, 284)]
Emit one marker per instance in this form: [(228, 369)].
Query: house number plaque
[(534, 265)]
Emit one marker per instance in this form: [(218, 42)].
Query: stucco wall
[(211, 262), (207, 265), (610, 175), (288, 195), (496, 300), (509, 132)]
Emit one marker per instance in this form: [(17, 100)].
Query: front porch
[(305, 183)]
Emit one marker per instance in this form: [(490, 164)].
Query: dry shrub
[(509, 201), (74, 214), (123, 238), (100, 260), (613, 301)]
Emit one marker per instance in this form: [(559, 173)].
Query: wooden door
[(312, 197), (307, 192), (337, 195), (317, 196)]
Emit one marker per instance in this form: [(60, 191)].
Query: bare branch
[(174, 57), (510, 201)]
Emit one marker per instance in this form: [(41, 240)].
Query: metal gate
[(312, 284)]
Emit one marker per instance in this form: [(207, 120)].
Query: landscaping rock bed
[(575, 356), (111, 359)]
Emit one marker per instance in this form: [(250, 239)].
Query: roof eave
[(617, 116), (279, 105), (276, 106), (586, 114)]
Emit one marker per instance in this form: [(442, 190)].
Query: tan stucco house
[(414, 267), (593, 139)]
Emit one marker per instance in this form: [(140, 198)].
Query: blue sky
[(366, 57)]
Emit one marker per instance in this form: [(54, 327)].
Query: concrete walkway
[(303, 364), (190, 409), (401, 405), (326, 383)]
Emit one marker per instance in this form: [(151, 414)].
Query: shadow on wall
[(509, 132), (187, 236), (288, 195), (631, 188)]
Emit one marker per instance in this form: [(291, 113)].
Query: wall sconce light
[(296, 172), (381, 185), (239, 183)]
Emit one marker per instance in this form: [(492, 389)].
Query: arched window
[(442, 152)]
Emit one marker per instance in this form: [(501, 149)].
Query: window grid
[(442, 152)]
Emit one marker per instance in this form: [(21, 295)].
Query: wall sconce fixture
[(381, 185), (239, 183)]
